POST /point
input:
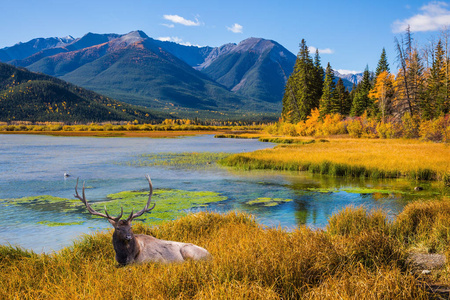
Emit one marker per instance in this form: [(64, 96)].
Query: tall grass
[(355, 158), (360, 255)]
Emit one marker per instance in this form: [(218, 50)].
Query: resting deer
[(138, 248)]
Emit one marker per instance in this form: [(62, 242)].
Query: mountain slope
[(28, 96), (192, 55), (255, 68), (140, 72), (23, 50)]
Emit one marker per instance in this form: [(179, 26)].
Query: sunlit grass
[(355, 157), (184, 160), (360, 255)]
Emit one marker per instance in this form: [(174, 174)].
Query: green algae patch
[(170, 204), (268, 202), (41, 199), (54, 224), (184, 160), (45, 203), (323, 190)]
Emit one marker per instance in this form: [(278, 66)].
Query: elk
[(138, 248)]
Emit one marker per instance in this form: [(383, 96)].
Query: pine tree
[(436, 86), (319, 76), (328, 101), (383, 64), (361, 101), (300, 95), (343, 98)]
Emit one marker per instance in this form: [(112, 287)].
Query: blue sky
[(350, 34)]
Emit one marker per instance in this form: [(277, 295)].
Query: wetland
[(40, 213)]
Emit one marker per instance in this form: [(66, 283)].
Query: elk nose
[(128, 237)]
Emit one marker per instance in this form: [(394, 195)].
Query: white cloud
[(434, 16), (236, 28), (180, 20), (168, 25), (177, 40), (174, 39), (313, 49), (346, 72)]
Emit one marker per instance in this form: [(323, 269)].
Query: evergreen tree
[(343, 98), (300, 95), (361, 101), (290, 111), (328, 101), (415, 77), (319, 75), (383, 64), (436, 93)]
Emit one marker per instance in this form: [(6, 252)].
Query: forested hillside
[(28, 96), (414, 102)]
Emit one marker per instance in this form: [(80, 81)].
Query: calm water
[(34, 165)]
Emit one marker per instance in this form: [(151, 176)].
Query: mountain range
[(218, 82)]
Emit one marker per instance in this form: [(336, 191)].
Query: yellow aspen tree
[(382, 92)]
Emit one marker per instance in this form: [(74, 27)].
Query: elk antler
[(91, 210), (145, 209)]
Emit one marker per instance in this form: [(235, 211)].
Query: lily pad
[(323, 190), (268, 202)]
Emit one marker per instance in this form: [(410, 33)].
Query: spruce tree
[(328, 101), (300, 95), (319, 76), (383, 64), (436, 88), (361, 101), (343, 98)]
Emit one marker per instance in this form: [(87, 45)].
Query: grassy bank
[(355, 157), (360, 255)]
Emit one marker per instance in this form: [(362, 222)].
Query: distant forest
[(419, 90)]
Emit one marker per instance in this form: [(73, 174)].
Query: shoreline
[(149, 134)]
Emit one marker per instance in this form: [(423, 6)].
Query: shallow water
[(32, 165)]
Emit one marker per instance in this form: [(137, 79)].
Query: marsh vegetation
[(359, 254)]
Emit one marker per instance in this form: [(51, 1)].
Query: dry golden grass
[(355, 157), (249, 262)]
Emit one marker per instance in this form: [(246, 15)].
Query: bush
[(355, 128), (434, 130), (353, 221), (410, 126), (425, 224)]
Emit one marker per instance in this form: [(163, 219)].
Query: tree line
[(420, 89)]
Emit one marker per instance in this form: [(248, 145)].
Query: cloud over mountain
[(180, 20), (236, 28)]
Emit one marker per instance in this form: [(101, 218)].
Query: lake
[(32, 165)]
